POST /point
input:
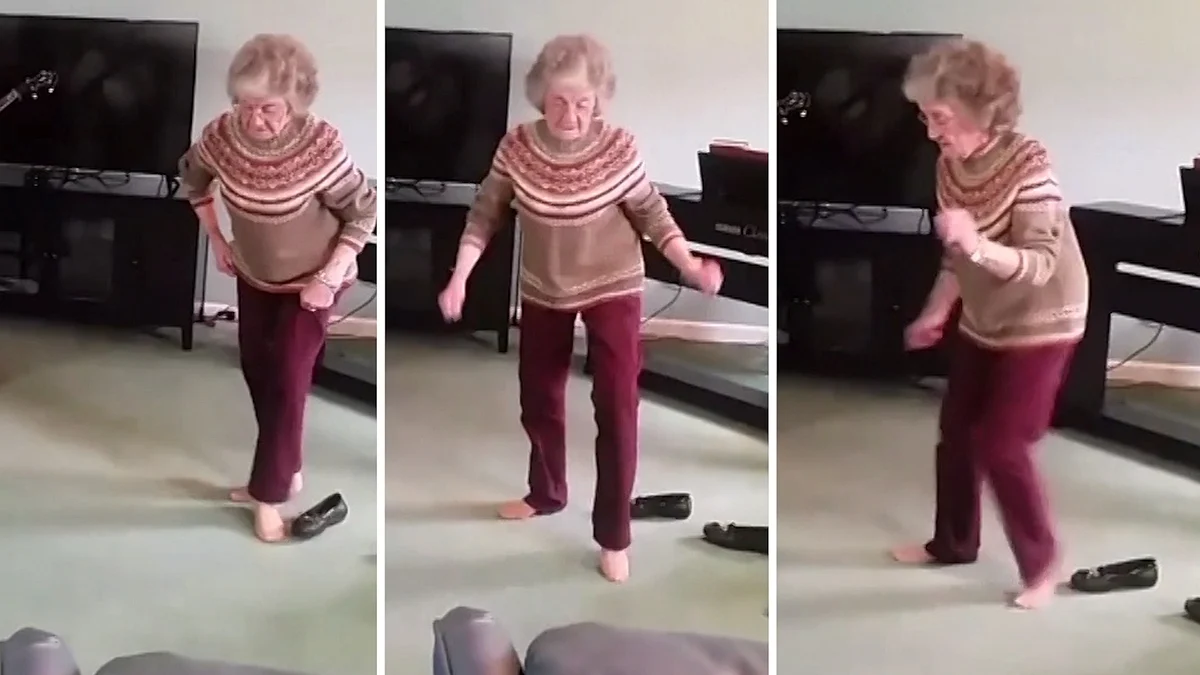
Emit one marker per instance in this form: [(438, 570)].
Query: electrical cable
[(1158, 331), (423, 189), (661, 310), (211, 322), (354, 311)]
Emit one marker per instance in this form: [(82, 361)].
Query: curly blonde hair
[(274, 65), (564, 55), (976, 77)]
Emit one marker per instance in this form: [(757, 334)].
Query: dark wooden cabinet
[(117, 259), (422, 238), (846, 295)]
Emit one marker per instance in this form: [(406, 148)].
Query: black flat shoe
[(748, 538), (1127, 575), (328, 512), (671, 506), (1191, 608)]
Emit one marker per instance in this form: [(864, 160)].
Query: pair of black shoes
[(328, 512), (678, 506)]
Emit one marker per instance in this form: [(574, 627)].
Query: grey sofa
[(31, 651), (471, 642)]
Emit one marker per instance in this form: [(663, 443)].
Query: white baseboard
[(695, 331), (352, 326), (1176, 375), (703, 331)]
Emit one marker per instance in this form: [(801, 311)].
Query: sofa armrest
[(32, 651), (162, 663), (580, 649), (469, 641)]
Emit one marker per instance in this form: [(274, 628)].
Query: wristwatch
[(976, 256), (325, 280)]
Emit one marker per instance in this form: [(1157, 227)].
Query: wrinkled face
[(955, 132), (262, 117), (570, 105)]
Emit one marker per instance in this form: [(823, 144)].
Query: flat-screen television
[(124, 98), (446, 100), (845, 132)]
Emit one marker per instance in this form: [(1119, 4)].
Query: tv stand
[(423, 233), (848, 288), (110, 258)]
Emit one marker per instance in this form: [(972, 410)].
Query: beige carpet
[(855, 471), (455, 449), (118, 452)]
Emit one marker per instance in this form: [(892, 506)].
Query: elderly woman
[(1013, 261), (300, 211), (585, 205)]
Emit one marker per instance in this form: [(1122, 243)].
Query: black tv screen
[(845, 133), (124, 99), (446, 100)]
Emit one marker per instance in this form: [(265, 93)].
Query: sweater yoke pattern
[(570, 186), (274, 184)]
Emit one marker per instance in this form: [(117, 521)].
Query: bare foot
[(1039, 593), (242, 495), (268, 523), (614, 565), (518, 509), (912, 554)]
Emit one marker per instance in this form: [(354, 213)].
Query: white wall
[(1109, 86), (342, 36), (688, 71)]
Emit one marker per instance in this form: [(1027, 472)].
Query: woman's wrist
[(339, 263), (329, 281)]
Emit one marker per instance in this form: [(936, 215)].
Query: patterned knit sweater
[(290, 201), (584, 206), (1010, 189)]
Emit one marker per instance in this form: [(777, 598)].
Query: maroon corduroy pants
[(615, 350), (281, 344), (998, 406)]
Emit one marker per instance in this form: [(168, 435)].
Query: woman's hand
[(926, 331), (223, 255), (958, 231), (704, 274), (317, 296), (451, 299)]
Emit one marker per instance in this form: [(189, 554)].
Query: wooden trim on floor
[(1174, 375), (715, 332), (344, 327)]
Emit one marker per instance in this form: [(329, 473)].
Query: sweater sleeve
[(197, 177), (1039, 217), (352, 199), (645, 206), (489, 212)]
